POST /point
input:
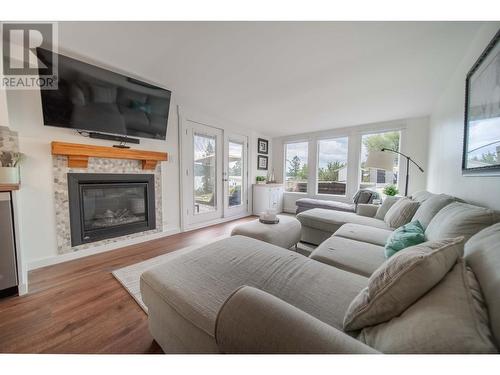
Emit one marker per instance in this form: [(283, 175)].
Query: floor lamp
[(383, 160)]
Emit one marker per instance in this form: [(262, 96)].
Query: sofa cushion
[(400, 281), (430, 207), (422, 196), (401, 212), (445, 320), (196, 283), (304, 204), (482, 254), (330, 221), (385, 206), (460, 219), (410, 234), (364, 233), (350, 255)]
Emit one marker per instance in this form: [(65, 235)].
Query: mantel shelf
[(78, 154), (8, 187)]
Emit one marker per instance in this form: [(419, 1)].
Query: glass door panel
[(205, 173), (202, 164), (235, 173)]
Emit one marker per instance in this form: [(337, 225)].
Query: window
[(332, 166), (377, 179), (296, 171)]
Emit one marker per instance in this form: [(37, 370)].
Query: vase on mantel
[(9, 175)]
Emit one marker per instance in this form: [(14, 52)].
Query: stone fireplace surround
[(95, 165)]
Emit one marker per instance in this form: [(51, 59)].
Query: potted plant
[(260, 180), (9, 167), (391, 190)]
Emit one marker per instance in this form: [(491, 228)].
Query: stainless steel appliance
[(8, 264)]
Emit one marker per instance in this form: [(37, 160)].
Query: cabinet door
[(261, 199), (274, 199)]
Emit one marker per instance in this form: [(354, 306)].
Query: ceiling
[(281, 78)]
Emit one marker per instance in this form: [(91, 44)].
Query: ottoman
[(284, 234)]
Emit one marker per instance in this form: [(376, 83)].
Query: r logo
[(19, 48)]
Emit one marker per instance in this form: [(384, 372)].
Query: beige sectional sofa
[(319, 224), (241, 295)]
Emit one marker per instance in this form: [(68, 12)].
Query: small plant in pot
[(391, 190), (9, 167), (260, 180)]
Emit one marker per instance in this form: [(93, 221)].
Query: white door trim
[(189, 130), (185, 225)]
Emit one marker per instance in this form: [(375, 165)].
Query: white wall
[(414, 133), (446, 135)]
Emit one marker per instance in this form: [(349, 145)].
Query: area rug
[(129, 277)]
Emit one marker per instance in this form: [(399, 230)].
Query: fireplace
[(104, 206)]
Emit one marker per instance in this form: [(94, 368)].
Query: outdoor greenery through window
[(296, 171), (377, 179), (332, 166)]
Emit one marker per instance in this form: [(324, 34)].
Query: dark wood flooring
[(79, 307)]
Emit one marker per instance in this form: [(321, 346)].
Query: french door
[(235, 175), (214, 174)]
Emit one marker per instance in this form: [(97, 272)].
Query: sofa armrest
[(253, 321), (365, 209)]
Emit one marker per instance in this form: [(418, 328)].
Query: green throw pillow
[(408, 235)]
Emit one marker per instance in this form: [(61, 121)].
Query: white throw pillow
[(401, 212), (387, 203)]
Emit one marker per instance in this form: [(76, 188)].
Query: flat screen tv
[(94, 99)]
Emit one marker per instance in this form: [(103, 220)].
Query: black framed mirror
[(481, 149)]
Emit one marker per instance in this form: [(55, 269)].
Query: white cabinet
[(267, 197)]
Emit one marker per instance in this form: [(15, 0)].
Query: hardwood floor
[(79, 307)]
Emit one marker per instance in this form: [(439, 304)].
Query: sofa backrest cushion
[(430, 207), (460, 219), (401, 212), (385, 206), (448, 319), (482, 254), (400, 281), (422, 196)]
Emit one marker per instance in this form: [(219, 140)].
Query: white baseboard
[(100, 249), (22, 289)]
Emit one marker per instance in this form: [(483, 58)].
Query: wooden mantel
[(8, 187), (78, 154)]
